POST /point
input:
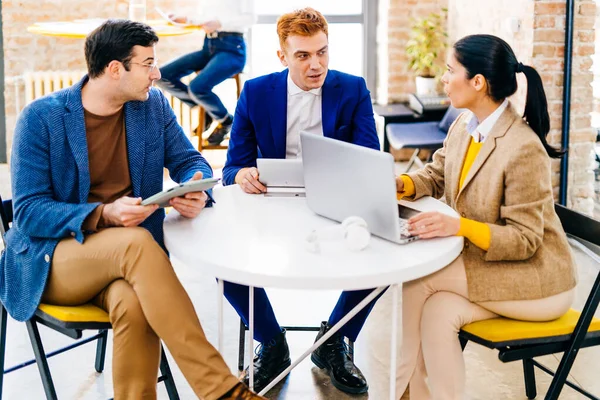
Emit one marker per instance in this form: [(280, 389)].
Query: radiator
[(41, 83)]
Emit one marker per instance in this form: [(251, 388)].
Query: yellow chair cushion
[(83, 313), (504, 329)]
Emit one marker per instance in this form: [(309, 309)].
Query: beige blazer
[(509, 188)]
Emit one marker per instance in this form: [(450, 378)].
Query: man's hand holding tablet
[(188, 198)]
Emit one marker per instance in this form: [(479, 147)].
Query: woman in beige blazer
[(494, 170)]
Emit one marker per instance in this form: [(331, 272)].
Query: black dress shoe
[(272, 358), (334, 356), (222, 130)]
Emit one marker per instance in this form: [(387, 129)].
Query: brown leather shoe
[(241, 392)]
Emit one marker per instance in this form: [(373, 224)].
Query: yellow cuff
[(409, 187), (477, 232)]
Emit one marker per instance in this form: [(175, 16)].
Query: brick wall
[(548, 58), (467, 18), (540, 43), (395, 81), (24, 51)]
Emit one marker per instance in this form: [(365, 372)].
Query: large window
[(351, 36)]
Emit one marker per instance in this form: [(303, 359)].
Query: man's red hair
[(304, 22)]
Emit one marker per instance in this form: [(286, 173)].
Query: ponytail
[(536, 108), (493, 58)]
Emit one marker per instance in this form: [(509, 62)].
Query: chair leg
[(568, 358), (529, 375), (201, 123), (3, 322), (42, 362), (242, 346), (413, 160), (101, 350), (561, 375), (165, 370)]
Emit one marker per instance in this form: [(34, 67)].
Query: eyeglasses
[(151, 67)]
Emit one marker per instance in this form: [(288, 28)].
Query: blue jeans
[(220, 59), (266, 325)]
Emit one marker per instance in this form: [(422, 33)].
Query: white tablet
[(162, 198), (282, 177), (280, 172)]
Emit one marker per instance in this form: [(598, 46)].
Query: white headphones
[(353, 230)]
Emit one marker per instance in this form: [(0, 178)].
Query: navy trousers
[(266, 326), (219, 59)]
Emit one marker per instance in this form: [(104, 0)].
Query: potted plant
[(425, 47)]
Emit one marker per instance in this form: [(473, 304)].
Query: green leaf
[(426, 44)]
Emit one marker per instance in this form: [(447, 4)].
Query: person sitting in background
[(222, 56), (494, 170), (271, 113)]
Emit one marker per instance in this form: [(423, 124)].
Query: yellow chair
[(70, 321), (520, 340)]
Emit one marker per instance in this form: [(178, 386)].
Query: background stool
[(202, 144)]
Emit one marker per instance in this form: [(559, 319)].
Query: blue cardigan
[(51, 182), (260, 123)]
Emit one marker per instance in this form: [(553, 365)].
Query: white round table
[(259, 241)]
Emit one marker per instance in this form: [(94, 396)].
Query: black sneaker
[(222, 130), (334, 355), (271, 359)]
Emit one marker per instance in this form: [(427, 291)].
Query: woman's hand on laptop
[(247, 178), (432, 224), (399, 185)]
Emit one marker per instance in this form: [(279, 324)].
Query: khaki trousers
[(434, 308), (125, 272)]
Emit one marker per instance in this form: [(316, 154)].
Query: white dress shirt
[(303, 114), (234, 15), (476, 129)]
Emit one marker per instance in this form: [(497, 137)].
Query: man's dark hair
[(114, 40)]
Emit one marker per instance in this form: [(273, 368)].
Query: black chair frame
[(72, 329), (580, 227)]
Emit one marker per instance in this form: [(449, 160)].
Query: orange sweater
[(477, 232)]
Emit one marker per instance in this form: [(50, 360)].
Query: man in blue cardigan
[(83, 159), (271, 112)]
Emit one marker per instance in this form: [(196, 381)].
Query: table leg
[(220, 307), (251, 340), (394, 342), (324, 338)]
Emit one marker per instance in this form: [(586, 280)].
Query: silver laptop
[(282, 177), (344, 179)]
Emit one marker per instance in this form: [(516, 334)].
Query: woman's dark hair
[(114, 40), (493, 58)]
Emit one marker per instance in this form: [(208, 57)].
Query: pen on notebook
[(210, 198)]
